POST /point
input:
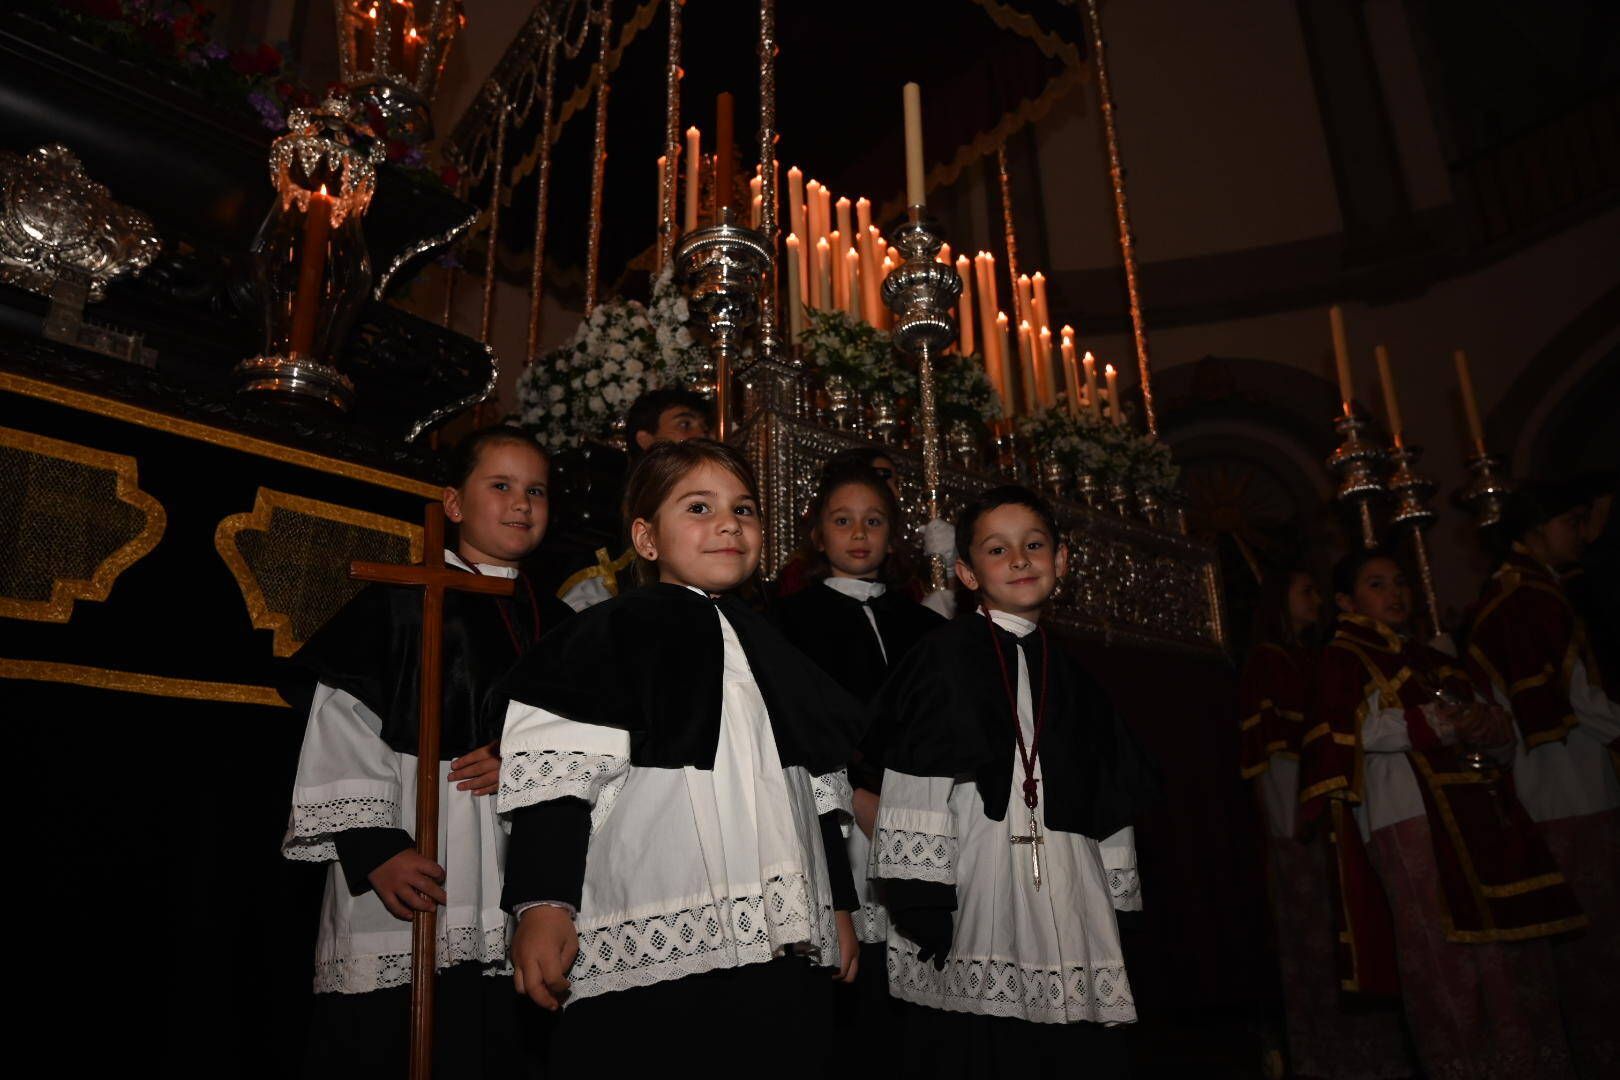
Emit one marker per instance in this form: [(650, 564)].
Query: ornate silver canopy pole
[(542, 184), (667, 226), (1356, 463), (1412, 493), (721, 268), (920, 292), (768, 343), (593, 248)]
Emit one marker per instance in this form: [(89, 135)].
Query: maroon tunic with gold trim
[(1499, 882), (1526, 641), (1273, 695)]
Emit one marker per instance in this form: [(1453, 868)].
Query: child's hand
[(866, 808), (479, 771), (408, 883), (849, 949), (931, 929), (543, 949)]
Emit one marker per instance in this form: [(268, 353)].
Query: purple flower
[(215, 51), (267, 108), (414, 158)]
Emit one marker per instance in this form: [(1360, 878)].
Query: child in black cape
[(354, 798), (1004, 839), (856, 623), (671, 822)]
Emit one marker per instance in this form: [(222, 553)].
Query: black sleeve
[(545, 859), (360, 851), (908, 894), (839, 875)]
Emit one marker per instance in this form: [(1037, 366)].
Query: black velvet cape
[(652, 662), (832, 630), (944, 712), (373, 649)]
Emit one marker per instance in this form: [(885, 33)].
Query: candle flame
[(1108, 369), (1089, 358), (324, 195), (1001, 319)]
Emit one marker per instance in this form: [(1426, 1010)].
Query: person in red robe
[(1405, 758), (1329, 1036), (1529, 646)]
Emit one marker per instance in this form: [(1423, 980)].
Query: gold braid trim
[(190, 429), (126, 486), (132, 682)]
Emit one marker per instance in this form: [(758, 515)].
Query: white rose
[(612, 394), (596, 405), (593, 378), (555, 393), (559, 410), (682, 312), (633, 367)]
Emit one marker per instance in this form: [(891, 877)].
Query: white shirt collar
[(856, 588), (487, 569), (1013, 624)]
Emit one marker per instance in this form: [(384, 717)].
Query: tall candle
[(944, 254), (863, 214), (1071, 373), (987, 320), (1024, 298), (1465, 383), (852, 284), (658, 222), (311, 271), (1341, 356), (795, 290), (1392, 404), (912, 97), (1026, 354), (840, 299), (1004, 350), (823, 274), (964, 338), (724, 143), (845, 227), (1043, 315), (755, 186), (694, 157), (1117, 414), (1093, 398), (753, 212), (1045, 384), (870, 285), (795, 179), (824, 199)]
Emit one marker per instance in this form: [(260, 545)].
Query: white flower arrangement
[(581, 389)]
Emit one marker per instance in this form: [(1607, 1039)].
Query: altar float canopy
[(591, 210)]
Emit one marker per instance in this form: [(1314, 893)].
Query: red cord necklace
[(1026, 756), (506, 619)]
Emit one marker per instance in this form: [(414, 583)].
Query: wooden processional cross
[(433, 578)]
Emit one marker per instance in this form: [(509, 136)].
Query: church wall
[(1219, 125)]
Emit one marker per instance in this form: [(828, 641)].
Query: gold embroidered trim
[(59, 607), (283, 639), (1254, 721), (1519, 888), (606, 568), (190, 429), (1255, 770), (132, 682)]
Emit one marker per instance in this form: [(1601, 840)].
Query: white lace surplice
[(348, 778), (687, 870), (1049, 956)]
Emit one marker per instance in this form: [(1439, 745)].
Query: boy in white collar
[(1003, 835)]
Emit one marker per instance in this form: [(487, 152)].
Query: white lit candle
[(694, 157), (1117, 414), (795, 300), (912, 97)]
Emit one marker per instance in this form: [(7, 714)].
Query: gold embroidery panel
[(74, 518), (290, 557)]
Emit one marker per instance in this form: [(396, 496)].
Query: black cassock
[(945, 715), (371, 649), (834, 629)]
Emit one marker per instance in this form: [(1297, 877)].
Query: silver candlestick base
[(1487, 490), (1412, 493), (920, 292), (722, 269), (1357, 463)]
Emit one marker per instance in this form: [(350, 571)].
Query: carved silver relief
[(55, 222)]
